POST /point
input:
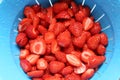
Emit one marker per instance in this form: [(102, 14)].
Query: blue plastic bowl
[(11, 10)]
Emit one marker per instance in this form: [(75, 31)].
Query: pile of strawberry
[(60, 43)]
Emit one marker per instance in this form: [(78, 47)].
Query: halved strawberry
[(42, 30), (42, 15), (72, 76), (64, 39), (69, 49), (63, 15), (79, 16), (50, 58), (52, 25), (74, 7), (50, 13), (76, 53), (67, 70), (70, 12), (32, 58), (36, 8), (101, 49), (52, 78), (38, 46), (76, 29), (87, 23), (67, 23), (42, 64), (73, 60), (86, 11), (54, 47), (36, 20), (24, 53), (103, 39)]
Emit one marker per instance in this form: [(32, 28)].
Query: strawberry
[(26, 66), (76, 53), (64, 39), (36, 73), (101, 49), (67, 70), (54, 47), (42, 30), (56, 66), (87, 23), (42, 64), (72, 76), (87, 33), (32, 58), (79, 41), (50, 58), (69, 49), (24, 24), (79, 16), (74, 7), (58, 28), (45, 23), (104, 39), (76, 29), (70, 12), (21, 39), (96, 28), (67, 23), (81, 69), (87, 74), (86, 54), (29, 12), (60, 56), (95, 61), (31, 32), (24, 53), (49, 37), (36, 20), (85, 47), (63, 15), (73, 60), (66, 1), (50, 13), (93, 41), (37, 79), (48, 49), (53, 78), (86, 11), (27, 46), (34, 68), (36, 8), (52, 24), (38, 46), (42, 15), (58, 8)]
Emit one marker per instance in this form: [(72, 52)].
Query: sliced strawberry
[(50, 13), (72, 76), (67, 23), (42, 64), (81, 69), (93, 41), (74, 7), (34, 68), (45, 23), (73, 60), (85, 47), (36, 8), (87, 23), (87, 33), (27, 46), (26, 66), (86, 11), (53, 78), (49, 37), (32, 58), (36, 21), (104, 39), (58, 7), (64, 39), (42, 15), (63, 15), (79, 16), (54, 47), (67, 70), (87, 74), (69, 49), (21, 39), (50, 58), (56, 66), (37, 73), (76, 53), (60, 56), (24, 53), (48, 49), (42, 30), (52, 25), (70, 12), (101, 49), (38, 46), (76, 29), (96, 28)]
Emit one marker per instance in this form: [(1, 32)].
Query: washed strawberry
[(96, 28), (76, 29), (60, 56), (61, 6), (104, 39), (37, 79), (21, 39), (44, 23), (49, 37), (24, 24), (67, 23), (58, 28), (87, 74), (56, 66), (32, 58), (58, 75), (50, 13), (101, 49), (54, 47), (73, 60), (26, 66), (34, 68), (27, 46), (80, 41), (86, 11), (67, 70), (37, 73), (36, 21), (42, 30), (81, 69), (31, 32), (42, 15), (79, 16), (50, 58), (63, 15), (52, 25), (29, 12), (96, 61), (76, 53), (87, 23), (85, 47), (87, 33), (48, 49), (74, 7), (38, 46), (86, 54), (24, 53), (64, 39), (69, 49), (93, 41), (70, 12), (42, 64), (72, 76), (36, 8)]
